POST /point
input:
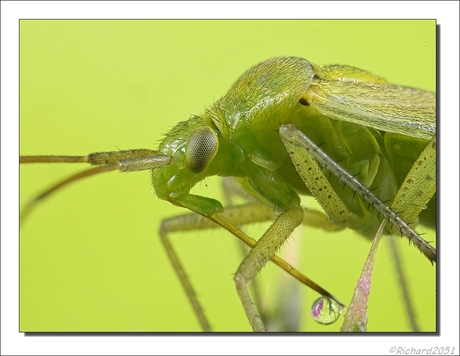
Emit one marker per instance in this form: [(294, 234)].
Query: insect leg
[(285, 313), (233, 189), (250, 213), (303, 154), (229, 219), (419, 186), (263, 251), (416, 191), (356, 315), (312, 217)]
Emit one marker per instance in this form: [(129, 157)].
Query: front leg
[(263, 251)]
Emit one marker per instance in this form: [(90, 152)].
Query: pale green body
[(382, 136), (266, 132), (292, 90)]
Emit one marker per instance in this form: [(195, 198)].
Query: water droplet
[(326, 310)]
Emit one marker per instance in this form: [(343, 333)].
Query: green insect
[(269, 132)]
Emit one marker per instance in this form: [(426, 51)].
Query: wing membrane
[(383, 106)]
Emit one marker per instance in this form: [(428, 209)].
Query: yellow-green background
[(91, 259)]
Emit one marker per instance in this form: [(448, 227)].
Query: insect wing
[(382, 106)]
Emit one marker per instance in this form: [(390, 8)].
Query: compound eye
[(201, 148)]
